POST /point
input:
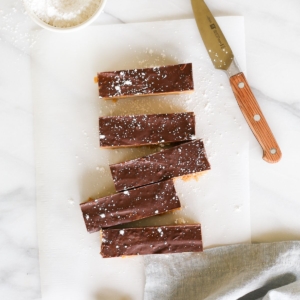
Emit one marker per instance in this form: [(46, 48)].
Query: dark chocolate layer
[(157, 80), (130, 205), (151, 240), (137, 130), (187, 158)]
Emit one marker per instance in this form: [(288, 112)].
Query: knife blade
[(222, 58)]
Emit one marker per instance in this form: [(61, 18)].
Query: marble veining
[(272, 30), (293, 107)]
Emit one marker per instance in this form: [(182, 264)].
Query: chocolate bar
[(130, 205), (151, 240), (138, 130), (149, 81), (184, 159)]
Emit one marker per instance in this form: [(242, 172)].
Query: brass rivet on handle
[(273, 151), (241, 85)]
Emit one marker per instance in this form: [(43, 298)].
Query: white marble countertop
[(272, 30)]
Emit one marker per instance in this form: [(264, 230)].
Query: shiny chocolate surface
[(151, 240), (137, 130), (157, 80), (130, 205), (187, 158)]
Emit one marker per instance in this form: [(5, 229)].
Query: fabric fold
[(259, 271)]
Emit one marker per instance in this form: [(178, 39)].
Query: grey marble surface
[(272, 30)]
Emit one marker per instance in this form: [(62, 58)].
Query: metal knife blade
[(222, 58)]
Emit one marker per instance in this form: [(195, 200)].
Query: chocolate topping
[(130, 205), (157, 80), (151, 240), (184, 159), (137, 130)]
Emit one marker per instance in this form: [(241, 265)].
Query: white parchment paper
[(71, 167)]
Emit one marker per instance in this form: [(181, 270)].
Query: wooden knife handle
[(255, 118)]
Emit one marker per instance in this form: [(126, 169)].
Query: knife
[(222, 58)]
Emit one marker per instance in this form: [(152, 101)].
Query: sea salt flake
[(100, 169), (122, 232), (102, 216)]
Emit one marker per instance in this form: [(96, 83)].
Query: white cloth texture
[(269, 271)]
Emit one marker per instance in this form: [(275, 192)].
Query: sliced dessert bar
[(151, 240), (130, 205), (149, 81), (139, 130), (184, 159)]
